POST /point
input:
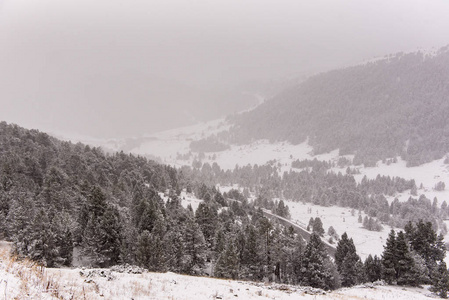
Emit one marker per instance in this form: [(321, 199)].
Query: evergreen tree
[(265, 227), (158, 255), (195, 248), (426, 243), (441, 281), (389, 258), (315, 266), (318, 227), (143, 249), (220, 242), (63, 240), (405, 269), (19, 221), (296, 258), (310, 225), (228, 263), (251, 257), (347, 260), (102, 238), (373, 268), (176, 259), (42, 247), (206, 216)]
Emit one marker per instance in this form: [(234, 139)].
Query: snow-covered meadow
[(341, 219), (166, 145)]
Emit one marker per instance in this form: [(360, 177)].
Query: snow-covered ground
[(24, 280), (367, 242), (428, 175), (168, 144), (186, 199)]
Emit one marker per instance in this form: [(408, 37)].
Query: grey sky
[(120, 67)]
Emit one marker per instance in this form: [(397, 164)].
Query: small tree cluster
[(316, 226), (371, 224)]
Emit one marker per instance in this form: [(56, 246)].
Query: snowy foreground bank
[(25, 280)]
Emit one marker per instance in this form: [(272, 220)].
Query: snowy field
[(25, 280), (367, 242), (166, 145)]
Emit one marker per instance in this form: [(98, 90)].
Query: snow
[(108, 284), (168, 144), (428, 174), (189, 199), (186, 199), (366, 242), (22, 280)]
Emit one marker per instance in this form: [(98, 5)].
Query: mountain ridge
[(370, 110)]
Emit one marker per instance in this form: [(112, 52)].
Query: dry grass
[(34, 280)]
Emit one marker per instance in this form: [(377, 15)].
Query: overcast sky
[(121, 67)]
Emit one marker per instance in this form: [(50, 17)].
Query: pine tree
[(143, 254), (265, 227), (426, 243), (316, 268), (389, 258), (373, 268), (110, 236), (158, 256), (405, 268), (347, 260), (251, 257), (195, 248), (318, 227), (19, 227), (42, 246), (102, 238), (228, 263), (296, 257), (175, 249), (206, 216), (220, 242), (441, 281), (310, 225), (63, 240)]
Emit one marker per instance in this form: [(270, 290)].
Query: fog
[(113, 68)]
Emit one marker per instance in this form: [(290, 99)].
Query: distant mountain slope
[(398, 105)]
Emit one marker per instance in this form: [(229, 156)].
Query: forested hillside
[(59, 198), (394, 106), (56, 196)]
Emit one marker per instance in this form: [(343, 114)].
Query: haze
[(110, 68)]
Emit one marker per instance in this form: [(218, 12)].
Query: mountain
[(397, 105)]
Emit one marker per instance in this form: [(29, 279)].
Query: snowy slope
[(24, 280), (366, 242)]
